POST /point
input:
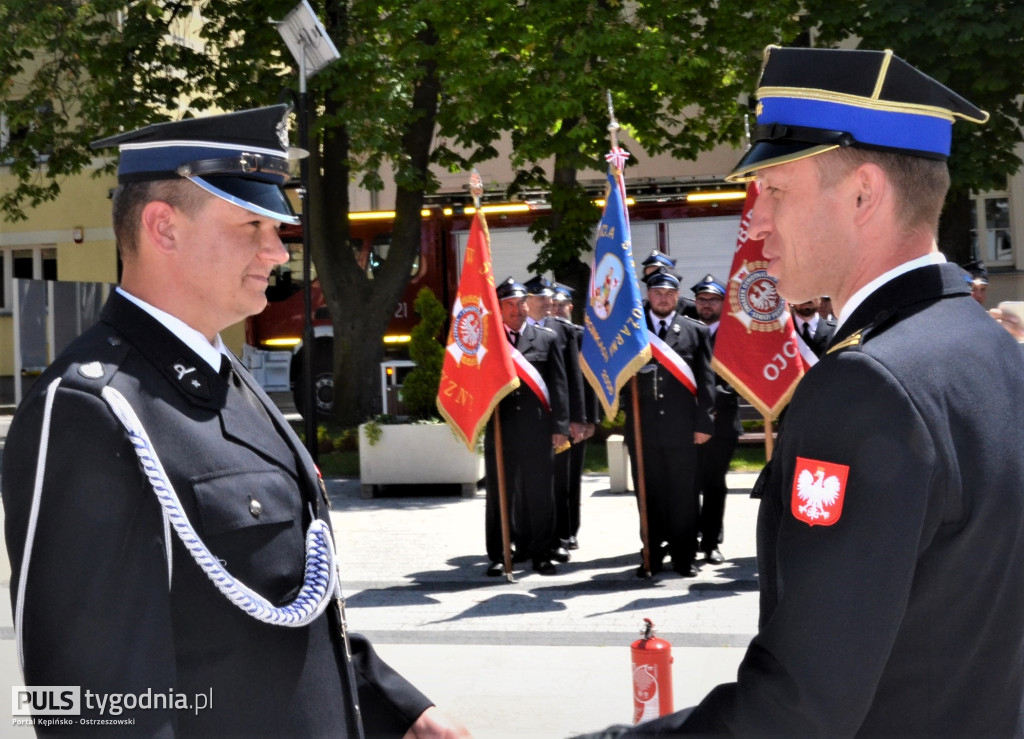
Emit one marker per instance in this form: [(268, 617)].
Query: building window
[(990, 235), (24, 263)]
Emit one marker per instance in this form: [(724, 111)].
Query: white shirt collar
[(188, 335), (812, 322), (655, 320), (935, 257)]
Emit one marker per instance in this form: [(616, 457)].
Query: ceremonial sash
[(531, 377), (670, 360), (806, 353)]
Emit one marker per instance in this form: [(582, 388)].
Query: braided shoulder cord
[(320, 582)]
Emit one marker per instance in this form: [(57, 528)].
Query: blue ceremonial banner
[(615, 343)]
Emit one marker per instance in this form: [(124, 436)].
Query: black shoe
[(544, 567), (571, 543), (686, 570), (714, 557), (496, 569), (657, 562), (560, 554)]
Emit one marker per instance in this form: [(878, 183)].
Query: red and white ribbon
[(670, 360), (531, 377)]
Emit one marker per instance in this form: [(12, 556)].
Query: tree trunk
[(361, 308)]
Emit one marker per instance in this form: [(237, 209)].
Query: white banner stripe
[(670, 360), (529, 374)]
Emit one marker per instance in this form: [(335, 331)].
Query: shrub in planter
[(419, 391)]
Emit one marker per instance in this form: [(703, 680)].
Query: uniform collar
[(861, 295), (191, 338)]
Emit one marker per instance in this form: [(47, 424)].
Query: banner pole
[(769, 438), (506, 529), (641, 485)]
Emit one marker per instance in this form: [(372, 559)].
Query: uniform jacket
[(669, 413), (728, 425), (100, 610), (539, 347), (822, 335), (905, 615), (565, 337)]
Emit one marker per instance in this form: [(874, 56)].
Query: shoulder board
[(543, 328), (852, 340), (693, 320), (97, 365)]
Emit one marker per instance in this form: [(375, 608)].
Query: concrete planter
[(417, 454)]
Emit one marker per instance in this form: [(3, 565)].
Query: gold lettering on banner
[(451, 389), (606, 231)]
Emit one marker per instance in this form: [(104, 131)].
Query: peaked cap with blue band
[(241, 157), (814, 100)]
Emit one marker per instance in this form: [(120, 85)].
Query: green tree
[(975, 47)]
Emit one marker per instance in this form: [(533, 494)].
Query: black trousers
[(672, 505), (528, 460), (713, 460), (568, 483)]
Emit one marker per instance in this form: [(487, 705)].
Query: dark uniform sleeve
[(558, 387), (96, 605), (705, 376), (833, 597)]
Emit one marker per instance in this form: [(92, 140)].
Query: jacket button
[(255, 508)]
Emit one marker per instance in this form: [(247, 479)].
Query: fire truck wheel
[(323, 383)]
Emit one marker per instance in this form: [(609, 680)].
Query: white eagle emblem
[(818, 493)]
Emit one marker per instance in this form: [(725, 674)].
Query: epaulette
[(97, 366), (691, 318), (850, 341), (857, 338), (543, 328)]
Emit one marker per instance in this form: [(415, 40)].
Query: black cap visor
[(262, 198), (771, 153)]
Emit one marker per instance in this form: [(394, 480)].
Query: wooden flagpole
[(640, 482), (476, 189), (506, 528)]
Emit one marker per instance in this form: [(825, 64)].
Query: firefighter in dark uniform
[(891, 528), (713, 458), (540, 293), (673, 421), (569, 523), (659, 261), (815, 331), (157, 503), (532, 428)]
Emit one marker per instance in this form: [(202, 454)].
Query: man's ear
[(871, 188), (159, 224)]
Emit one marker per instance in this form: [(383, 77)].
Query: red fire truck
[(697, 227)]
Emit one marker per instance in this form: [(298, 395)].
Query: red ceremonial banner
[(756, 348), (478, 370)]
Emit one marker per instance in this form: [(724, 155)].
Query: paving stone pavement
[(543, 656)]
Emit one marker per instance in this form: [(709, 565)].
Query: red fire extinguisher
[(652, 676)]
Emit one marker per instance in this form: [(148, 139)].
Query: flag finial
[(476, 187)]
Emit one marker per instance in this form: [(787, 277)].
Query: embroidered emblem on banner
[(819, 489), (604, 289), (754, 300), (469, 333)]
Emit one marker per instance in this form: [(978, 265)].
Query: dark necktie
[(236, 383), (663, 330), (806, 333), (513, 338)]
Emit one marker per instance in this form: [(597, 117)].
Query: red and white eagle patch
[(819, 489)]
